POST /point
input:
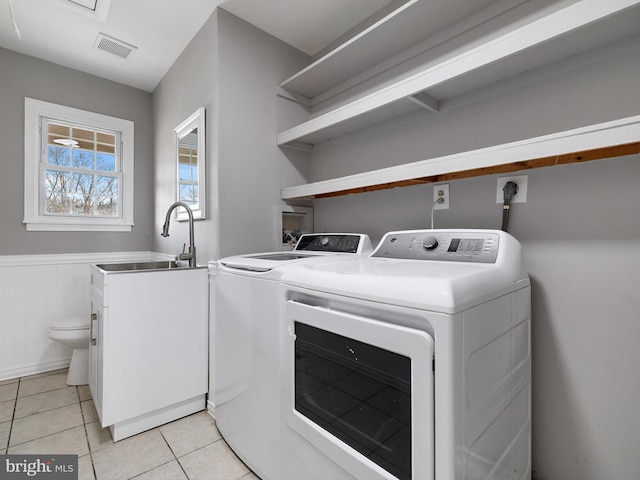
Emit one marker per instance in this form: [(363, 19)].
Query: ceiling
[(64, 31)]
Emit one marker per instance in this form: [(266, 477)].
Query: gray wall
[(580, 229), (233, 70), (252, 169), (190, 84), (23, 76)]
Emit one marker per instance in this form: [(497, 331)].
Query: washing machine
[(248, 348), (411, 363)]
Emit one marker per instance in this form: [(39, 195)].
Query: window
[(78, 169), (188, 169)]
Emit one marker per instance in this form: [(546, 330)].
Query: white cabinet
[(95, 352), (149, 347)]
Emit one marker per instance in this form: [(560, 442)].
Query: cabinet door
[(96, 346)]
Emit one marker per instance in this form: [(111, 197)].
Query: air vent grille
[(114, 46)]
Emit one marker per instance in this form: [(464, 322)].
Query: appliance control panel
[(334, 242), (448, 246)]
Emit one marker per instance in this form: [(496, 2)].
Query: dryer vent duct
[(114, 46)]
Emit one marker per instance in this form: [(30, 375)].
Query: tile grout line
[(86, 434), (173, 453), (13, 416)]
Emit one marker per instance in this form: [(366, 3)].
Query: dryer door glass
[(358, 392)]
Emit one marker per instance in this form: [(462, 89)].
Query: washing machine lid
[(309, 246), (70, 323), (421, 278), (442, 288), (263, 262)]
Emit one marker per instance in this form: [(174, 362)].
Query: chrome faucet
[(191, 255)]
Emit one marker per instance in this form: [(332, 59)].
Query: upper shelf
[(569, 31), (393, 29), (605, 140)]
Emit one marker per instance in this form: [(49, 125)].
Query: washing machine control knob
[(324, 241), (430, 243)]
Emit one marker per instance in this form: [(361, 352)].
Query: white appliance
[(248, 346), (413, 363)]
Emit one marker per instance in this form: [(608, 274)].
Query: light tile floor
[(41, 414)]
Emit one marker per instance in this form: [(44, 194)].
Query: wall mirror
[(190, 159)]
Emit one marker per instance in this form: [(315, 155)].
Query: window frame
[(38, 111)]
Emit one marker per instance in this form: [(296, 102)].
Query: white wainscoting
[(36, 290)]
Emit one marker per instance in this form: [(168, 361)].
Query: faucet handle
[(184, 246)]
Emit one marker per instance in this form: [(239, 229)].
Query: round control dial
[(430, 243)]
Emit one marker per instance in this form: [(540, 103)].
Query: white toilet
[(74, 332)]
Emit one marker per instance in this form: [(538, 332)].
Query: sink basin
[(134, 266)]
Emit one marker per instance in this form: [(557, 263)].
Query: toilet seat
[(72, 323)]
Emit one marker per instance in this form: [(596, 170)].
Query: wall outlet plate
[(441, 191), (521, 181)]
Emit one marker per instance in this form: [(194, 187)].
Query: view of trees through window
[(81, 171)]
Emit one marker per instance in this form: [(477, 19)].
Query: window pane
[(82, 184), (106, 138), (106, 186), (58, 156), (82, 134), (189, 194), (188, 172), (106, 162), (82, 204), (56, 186), (56, 181), (57, 203), (106, 142), (108, 207), (83, 158), (106, 196), (58, 131)]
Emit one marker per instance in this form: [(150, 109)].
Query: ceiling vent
[(114, 46)]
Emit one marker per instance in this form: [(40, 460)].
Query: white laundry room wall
[(580, 229)]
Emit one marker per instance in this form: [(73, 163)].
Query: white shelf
[(544, 150), (563, 33), (393, 29)]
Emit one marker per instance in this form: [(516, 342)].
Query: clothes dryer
[(412, 363), (247, 353)]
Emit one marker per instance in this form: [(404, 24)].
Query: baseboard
[(211, 408), (156, 418), (17, 372)]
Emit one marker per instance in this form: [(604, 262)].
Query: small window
[(78, 169)]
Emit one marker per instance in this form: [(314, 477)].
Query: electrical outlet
[(441, 191), (521, 181)]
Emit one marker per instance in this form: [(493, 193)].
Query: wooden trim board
[(575, 157)]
